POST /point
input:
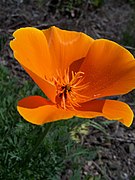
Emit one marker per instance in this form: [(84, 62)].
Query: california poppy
[(75, 72)]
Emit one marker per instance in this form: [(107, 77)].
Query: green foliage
[(97, 3), (72, 4), (128, 39), (81, 130), (71, 8), (128, 36), (18, 137), (132, 2), (76, 175), (95, 178)]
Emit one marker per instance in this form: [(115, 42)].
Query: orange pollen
[(69, 89)]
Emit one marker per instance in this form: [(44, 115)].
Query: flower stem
[(38, 143)]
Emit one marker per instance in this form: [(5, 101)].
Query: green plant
[(17, 138), (97, 3)]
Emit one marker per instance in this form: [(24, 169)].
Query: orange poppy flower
[(75, 72)]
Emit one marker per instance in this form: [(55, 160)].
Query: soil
[(109, 20)]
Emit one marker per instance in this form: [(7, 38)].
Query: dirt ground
[(109, 20)]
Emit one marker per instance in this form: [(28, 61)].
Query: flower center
[(69, 89)]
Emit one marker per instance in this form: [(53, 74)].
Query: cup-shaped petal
[(38, 110), (110, 109), (109, 68)]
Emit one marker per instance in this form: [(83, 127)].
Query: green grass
[(131, 2), (18, 137)]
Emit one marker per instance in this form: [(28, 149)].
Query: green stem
[(37, 144)]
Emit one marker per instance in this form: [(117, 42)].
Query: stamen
[(69, 91)]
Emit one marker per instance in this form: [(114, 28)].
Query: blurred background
[(78, 148)]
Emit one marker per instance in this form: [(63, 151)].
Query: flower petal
[(31, 50), (109, 69), (110, 109), (66, 46), (48, 88), (38, 110)]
